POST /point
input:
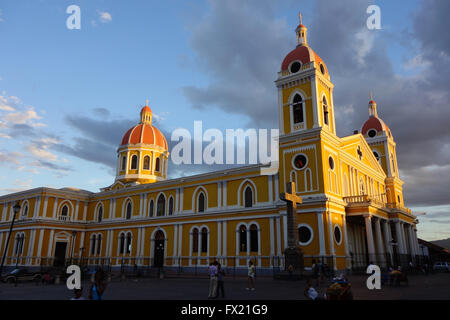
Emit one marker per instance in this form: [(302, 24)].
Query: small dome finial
[(301, 32), (372, 106), (146, 102)]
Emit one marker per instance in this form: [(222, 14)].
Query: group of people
[(96, 290), (216, 277)]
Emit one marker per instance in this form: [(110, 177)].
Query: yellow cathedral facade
[(353, 209)]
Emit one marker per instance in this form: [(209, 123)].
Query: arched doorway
[(158, 260)]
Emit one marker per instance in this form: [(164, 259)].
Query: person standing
[(251, 276), (316, 271), (212, 280), (220, 275), (98, 286)]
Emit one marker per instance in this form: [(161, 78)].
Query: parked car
[(441, 266), (21, 274)]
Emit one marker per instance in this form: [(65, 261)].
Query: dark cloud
[(240, 46), (49, 165)]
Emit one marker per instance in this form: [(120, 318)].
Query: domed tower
[(305, 92), (143, 153), (306, 114), (380, 139)]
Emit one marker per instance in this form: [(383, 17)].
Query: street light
[(16, 210)]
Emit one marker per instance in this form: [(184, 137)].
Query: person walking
[(212, 280), (220, 275), (98, 286), (251, 276)]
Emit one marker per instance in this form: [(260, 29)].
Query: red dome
[(304, 54), (374, 123), (146, 134), (146, 108)]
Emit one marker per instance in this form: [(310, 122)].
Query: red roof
[(146, 108), (146, 134), (304, 54), (374, 123)]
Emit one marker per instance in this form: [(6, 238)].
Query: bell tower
[(306, 114), (305, 92)]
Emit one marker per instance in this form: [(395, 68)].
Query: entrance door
[(60, 254), (159, 249)]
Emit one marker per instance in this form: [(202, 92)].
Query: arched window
[(297, 108), (243, 239), (325, 111), (204, 240), (248, 195), (195, 240), (124, 162), (170, 206), (129, 210), (99, 244), (100, 214), (151, 208), (64, 211), (122, 244), (253, 238), (146, 163), (93, 240), (157, 164), (19, 240), (161, 206), (201, 202), (128, 248), (25, 210), (134, 162)]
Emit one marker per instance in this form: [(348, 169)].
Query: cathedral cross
[(360, 154), (291, 199)]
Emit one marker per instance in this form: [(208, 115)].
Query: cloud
[(104, 17), (241, 63), (239, 46)]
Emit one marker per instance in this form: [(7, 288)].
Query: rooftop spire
[(372, 106), (146, 114), (301, 32)]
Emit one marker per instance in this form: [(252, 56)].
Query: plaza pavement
[(436, 286)]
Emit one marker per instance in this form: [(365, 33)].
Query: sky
[(67, 96)]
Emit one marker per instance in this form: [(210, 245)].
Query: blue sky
[(58, 80)]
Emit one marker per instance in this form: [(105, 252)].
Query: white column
[(77, 207), (379, 241), (44, 211), (180, 242), (181, 199), (270, 178), (55, 207), (219, 238), (272, 237), (387, 239), (175, 243), (224, 194), (37, 206), (85, 211), (39, 251), (331, 238), (411, 240), (50, 243), (224, 243), (285, 231), (110, 215), (369, 237), (320, 228), (346, 243), (398, 233)]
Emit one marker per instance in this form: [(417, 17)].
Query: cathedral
[(352, 209)]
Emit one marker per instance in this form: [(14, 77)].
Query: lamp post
[(16, 210)]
